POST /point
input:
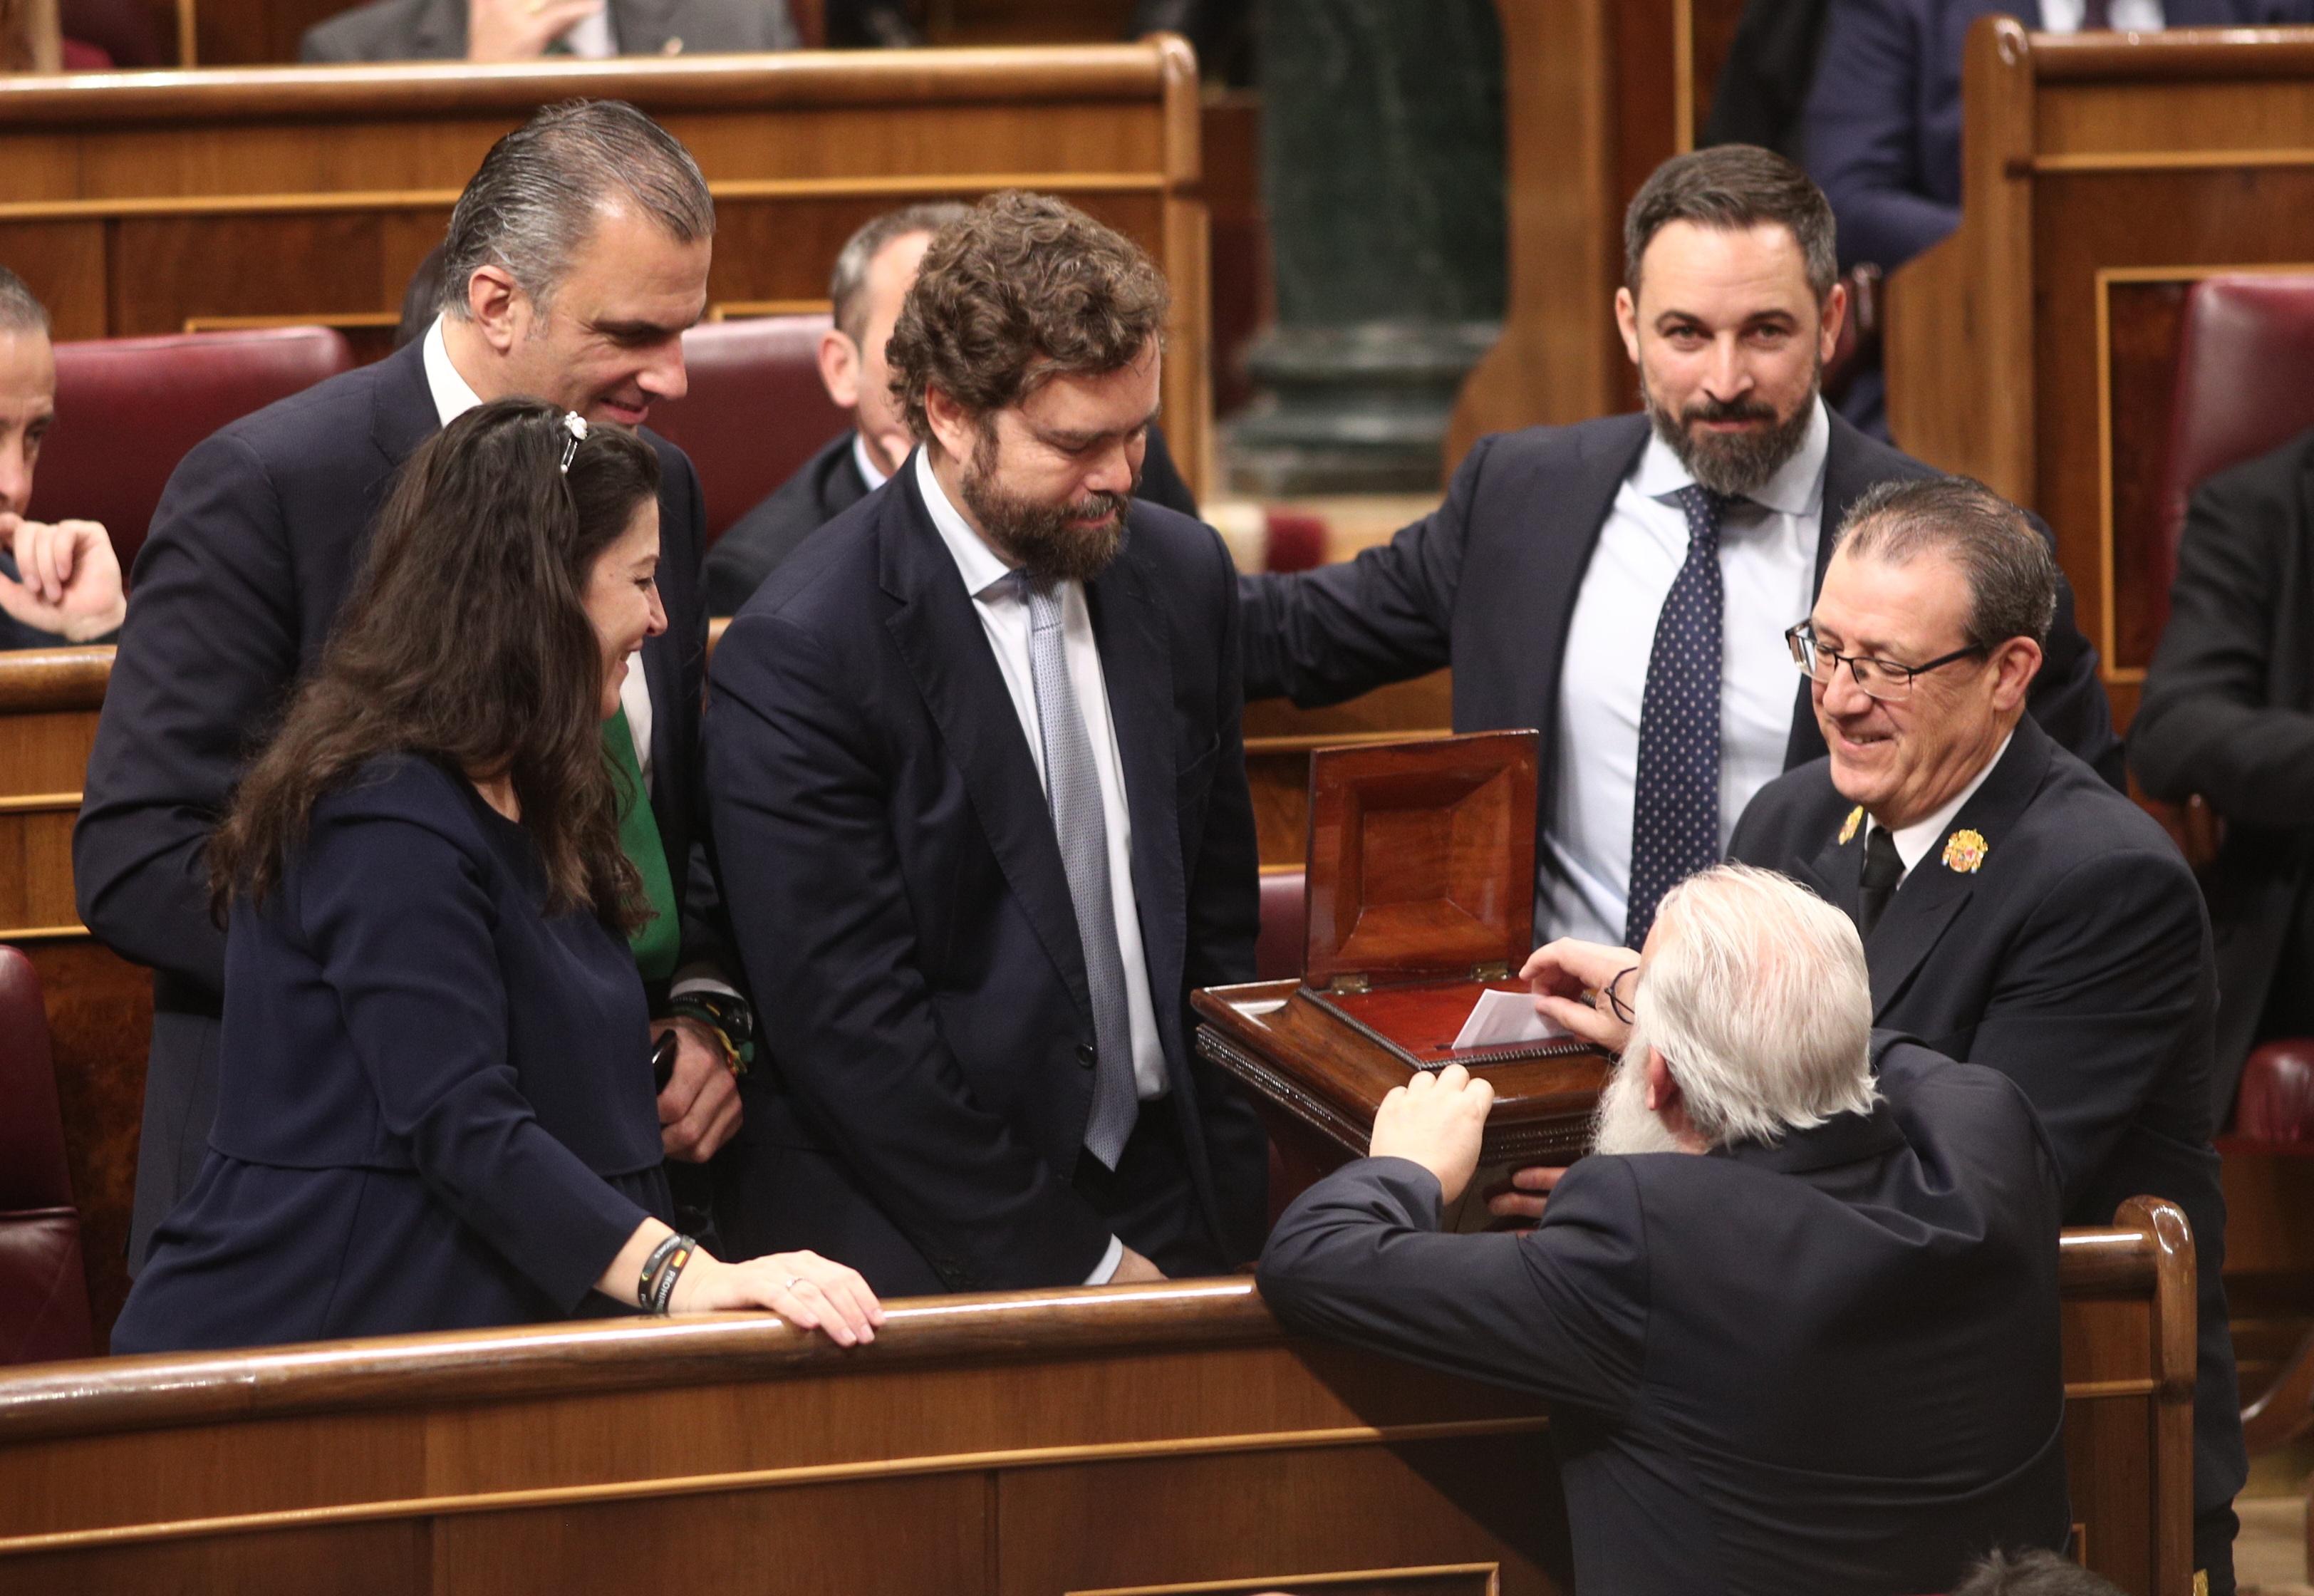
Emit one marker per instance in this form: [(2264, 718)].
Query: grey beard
[(1624, 1122), (1732, 466)]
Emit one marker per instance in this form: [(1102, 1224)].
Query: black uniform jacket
[(1829, 1364)]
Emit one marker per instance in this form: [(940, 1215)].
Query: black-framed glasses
[(1882, 679), (1622, 990)]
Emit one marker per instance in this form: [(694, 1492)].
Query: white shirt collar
[(1914, 841), (1795, 489), (866, 462), (975, 561), (454, 396)]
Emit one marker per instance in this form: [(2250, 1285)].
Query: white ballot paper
[(1505, 1016)]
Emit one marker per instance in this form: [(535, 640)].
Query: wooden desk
[(1113, 1440), (2035, 349), (159, 202)]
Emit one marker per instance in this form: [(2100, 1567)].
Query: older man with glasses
[(2016, 910)]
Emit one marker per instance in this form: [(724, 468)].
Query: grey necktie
[(1072, 788)]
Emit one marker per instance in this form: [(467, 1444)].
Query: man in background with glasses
[(2016, 910)]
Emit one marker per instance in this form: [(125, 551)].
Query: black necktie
[(1881, 870), (2095, 14), (1675, 799)]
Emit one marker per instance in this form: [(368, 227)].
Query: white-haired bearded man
[(1798, 1326)]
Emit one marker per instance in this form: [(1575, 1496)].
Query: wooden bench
[(1112, 1440)]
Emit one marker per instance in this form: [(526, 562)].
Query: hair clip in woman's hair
[(574, 424)]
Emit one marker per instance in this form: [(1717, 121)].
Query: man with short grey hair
[(1713, 1301), (579, 254), (2016, 910), (59, 581)]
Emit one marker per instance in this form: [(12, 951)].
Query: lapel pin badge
[(1965, 851), (1855, 819)]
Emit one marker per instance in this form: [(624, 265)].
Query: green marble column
[(1382, 177)]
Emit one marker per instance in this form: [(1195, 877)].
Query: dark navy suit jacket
[(1883, 121), (1488, 584), (1830, 1364), (255, 544), (905, 919), (2073, 957)]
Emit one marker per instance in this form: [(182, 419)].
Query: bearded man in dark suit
[(1621, 585), (979, 791), (576, 256)]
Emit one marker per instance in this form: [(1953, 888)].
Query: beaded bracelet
[(644, 1281)]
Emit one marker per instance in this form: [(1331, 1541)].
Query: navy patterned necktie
[(1675, 802), (2096, 15), (1080, 825)]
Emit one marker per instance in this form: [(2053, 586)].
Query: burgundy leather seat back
[(129, 409), (755, 410), (2241, 391), (43, 1291)]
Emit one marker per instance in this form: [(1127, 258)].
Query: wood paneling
[(2100, 176), (140, 205), (1279, 737), (1114, 1441), (100, 1007)]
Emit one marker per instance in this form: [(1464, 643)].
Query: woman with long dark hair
[(436, 1103)]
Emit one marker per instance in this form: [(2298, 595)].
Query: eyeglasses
[(1882, 679), (1624, 991)]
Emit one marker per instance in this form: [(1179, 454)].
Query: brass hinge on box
[(1359, 980)]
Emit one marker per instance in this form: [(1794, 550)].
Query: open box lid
[(1421, 860)]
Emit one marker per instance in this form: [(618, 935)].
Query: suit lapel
[(940, 636), (1836, 870), (1936, 888), (1136, 667)]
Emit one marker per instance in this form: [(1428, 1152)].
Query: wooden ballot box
[(1419, 897)]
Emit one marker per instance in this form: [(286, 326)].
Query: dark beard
[(1742, 463), (1040, 538)]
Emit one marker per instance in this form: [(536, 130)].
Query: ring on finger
[(793, 1281)]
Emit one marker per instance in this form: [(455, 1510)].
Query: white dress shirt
[(1914, 841), (2065, 16), (1767, 562), (592, 37), (1004, 617), (454, 396), (868, 473)]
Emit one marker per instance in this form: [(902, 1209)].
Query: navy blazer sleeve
[(402, 928), (209, 646), (2208, 724), (1560, 1311), (1321, 636), (801, 813), (706, 937), (1866, 144)]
